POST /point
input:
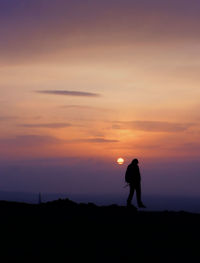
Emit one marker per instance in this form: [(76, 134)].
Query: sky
[(85, 82)]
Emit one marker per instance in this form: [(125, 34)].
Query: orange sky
[(122, 80)]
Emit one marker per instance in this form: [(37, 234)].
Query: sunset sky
[(84, 82)]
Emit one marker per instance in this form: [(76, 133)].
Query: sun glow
[(120, 161)]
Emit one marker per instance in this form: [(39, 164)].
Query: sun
[(120, 160)]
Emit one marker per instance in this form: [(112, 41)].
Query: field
[(64, 231)]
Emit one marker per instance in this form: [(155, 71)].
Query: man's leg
[(138, 195), (131, 193)]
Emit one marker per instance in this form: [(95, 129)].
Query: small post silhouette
[(39, 199)]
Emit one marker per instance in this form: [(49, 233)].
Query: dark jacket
[(133, 174)]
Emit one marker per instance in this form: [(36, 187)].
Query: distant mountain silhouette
[(65, 231)]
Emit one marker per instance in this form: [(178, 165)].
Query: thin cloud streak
[(29, 140), (46, 125), (85, 107), (8, 118), (82, 107), (69, 93), (153, 126), (98, 140)]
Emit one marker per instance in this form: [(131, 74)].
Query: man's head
[(135, 162)]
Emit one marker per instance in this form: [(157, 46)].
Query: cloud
[(69, 93), (7, 118), (98, 140), (189, 147), (81, 107), (28, 140), (153, 126), (46, 125), (38, 140), (86, 108)]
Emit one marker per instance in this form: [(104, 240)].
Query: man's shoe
[(141, 205), (132, 206)]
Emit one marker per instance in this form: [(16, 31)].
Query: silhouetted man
[(133, 178)]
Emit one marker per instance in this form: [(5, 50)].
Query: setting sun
[(120, 160)]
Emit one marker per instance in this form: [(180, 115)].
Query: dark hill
[(64, 231)]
